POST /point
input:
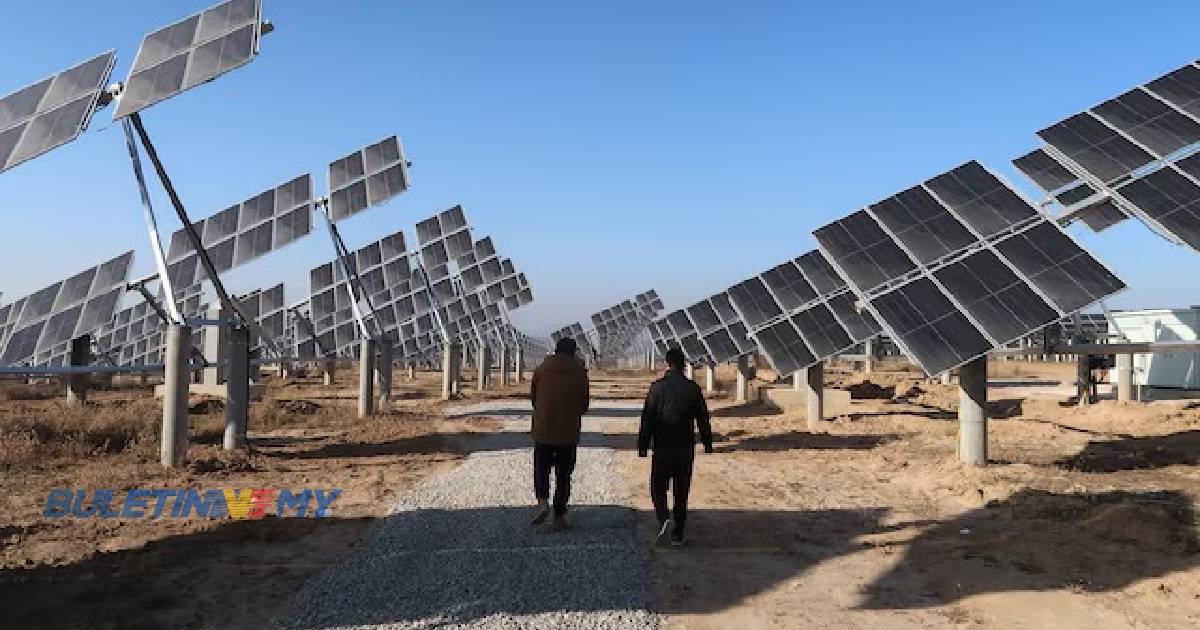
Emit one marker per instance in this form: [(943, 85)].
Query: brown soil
[(1085, 519), (196, 572)]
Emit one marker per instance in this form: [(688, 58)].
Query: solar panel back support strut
[(188, 228), (353, 282), (160, 259)]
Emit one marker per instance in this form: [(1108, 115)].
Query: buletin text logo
[(242, 503)]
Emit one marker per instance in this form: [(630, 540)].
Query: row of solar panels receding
[(961, 264), (1133, 154), (46, 321)]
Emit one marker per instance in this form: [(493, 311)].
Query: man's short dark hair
[(675, 358), (566, 345)]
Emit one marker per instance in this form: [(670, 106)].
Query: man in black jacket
[(674, 408)]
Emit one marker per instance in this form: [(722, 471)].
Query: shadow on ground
[(1032, 541), (1039, 541), (1133, 453)]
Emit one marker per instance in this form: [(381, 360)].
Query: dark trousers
[(675, 471), (562, 460)]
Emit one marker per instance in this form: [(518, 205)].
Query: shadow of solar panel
[(788, 285), (784, 348), (823, 333), (192, 51), (1097, 148), (936, 335), (1151, 122), (1044, 170), (863, 250), (1059, 268), (922, 224), (51, 112), (753, 302), (980, 199), (860, 324), (995, 297)]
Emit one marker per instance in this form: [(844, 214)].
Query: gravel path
[(459, 552)]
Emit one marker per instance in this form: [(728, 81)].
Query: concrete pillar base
[(972, 413), (366, 378)]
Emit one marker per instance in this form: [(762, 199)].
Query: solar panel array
[(192, 51), (366, 178), (265, 307), (383, 268), (244, 231), (959, 265), (1132, 154), (135, 335), (51, 112), (47, 320), (616, 329)]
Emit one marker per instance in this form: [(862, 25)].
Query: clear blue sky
[(608, 147)]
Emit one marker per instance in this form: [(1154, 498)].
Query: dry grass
[(56, 430), (20, 391)]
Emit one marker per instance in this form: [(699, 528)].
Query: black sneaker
[(664, 533), (677, 539)]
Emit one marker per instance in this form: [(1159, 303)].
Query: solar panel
[(860, 247), (1016, 273), (1096, 147), (245, 231), (64, 310), (379, 266), (192, 51), (51, 112), (1044, 170), (366, 178)]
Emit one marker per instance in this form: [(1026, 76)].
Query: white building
[(1173, 370)]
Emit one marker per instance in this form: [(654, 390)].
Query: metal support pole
[(798, 380), (650, 359), (710, 378), (503, 365), (366, 378), (690, 371), (1083, 377), (237, 387), (742, 391), (1125, 377), (383, 370), (173, 444), (814, 394), (77, 384), (972, 412), (483, 360), (869, 354), (411, 372), (451, 355), (519, 364)]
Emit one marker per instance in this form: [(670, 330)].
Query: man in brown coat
[(560, 395)]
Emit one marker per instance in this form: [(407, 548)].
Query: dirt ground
[(1085, 519), (197, 572)]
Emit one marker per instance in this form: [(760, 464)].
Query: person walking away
[(673, 410), (560, 394)]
